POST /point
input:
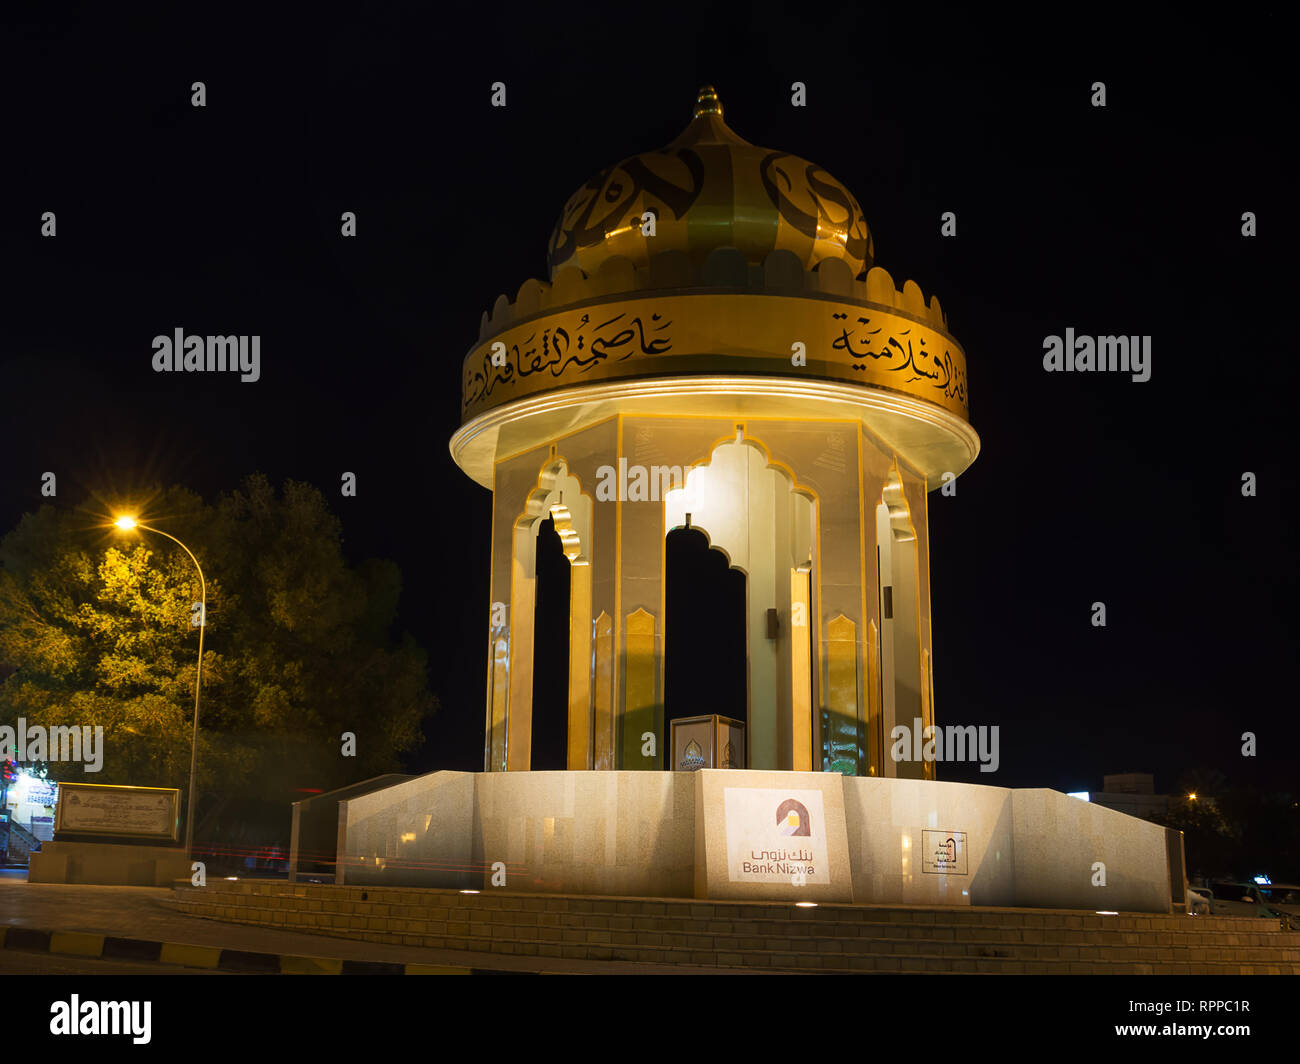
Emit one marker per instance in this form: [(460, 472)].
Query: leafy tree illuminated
[(95, 629)]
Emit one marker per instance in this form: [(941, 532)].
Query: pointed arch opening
[(548, 717), (705, 666), (753, 512), (551, 651)]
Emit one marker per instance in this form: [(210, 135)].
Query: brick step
[(695, 909), (426, 922), (453, 934), (838, 922), (720, 911), (762, 935), (917, 959)]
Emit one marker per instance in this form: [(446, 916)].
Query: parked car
[(1200, 902), (1285, 898), (1229, 898)]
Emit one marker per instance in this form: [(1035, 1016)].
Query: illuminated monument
[(716, 350), (714, 307)]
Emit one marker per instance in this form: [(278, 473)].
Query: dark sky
[(1123, 220)]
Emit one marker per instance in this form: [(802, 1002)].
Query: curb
[(86, 944)]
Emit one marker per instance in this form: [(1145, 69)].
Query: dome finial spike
[(707, 103)]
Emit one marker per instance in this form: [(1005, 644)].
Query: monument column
[(641, 620), (729, 325)]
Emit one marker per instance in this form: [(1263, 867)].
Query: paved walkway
[(141, 912)]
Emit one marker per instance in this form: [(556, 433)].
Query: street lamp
[(126, 523)]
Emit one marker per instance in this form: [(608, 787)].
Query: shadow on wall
[(988, 883)]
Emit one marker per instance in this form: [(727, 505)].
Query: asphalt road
[(20, 962)]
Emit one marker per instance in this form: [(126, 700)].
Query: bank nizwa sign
[(776, 836)]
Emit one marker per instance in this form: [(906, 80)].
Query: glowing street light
[(127, 522)]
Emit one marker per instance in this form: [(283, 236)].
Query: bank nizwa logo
[(693, 757), (792, 818), (773, 836)]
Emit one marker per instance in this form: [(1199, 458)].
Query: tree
[(1269, 827), (96, 626), (1209, 841), (1235, 831)]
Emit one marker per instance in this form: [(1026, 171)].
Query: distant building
[(1133, 793), (30, 803)]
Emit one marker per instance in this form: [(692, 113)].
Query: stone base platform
[(758, 835), (761, 935), (108, 864)]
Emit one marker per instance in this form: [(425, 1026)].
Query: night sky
[(1122, 220)]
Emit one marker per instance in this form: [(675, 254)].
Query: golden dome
[(710, 189)]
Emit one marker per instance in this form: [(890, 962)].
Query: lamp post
[(127, 523)]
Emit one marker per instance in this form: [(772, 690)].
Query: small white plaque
[(943, 852), (127, 812)]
